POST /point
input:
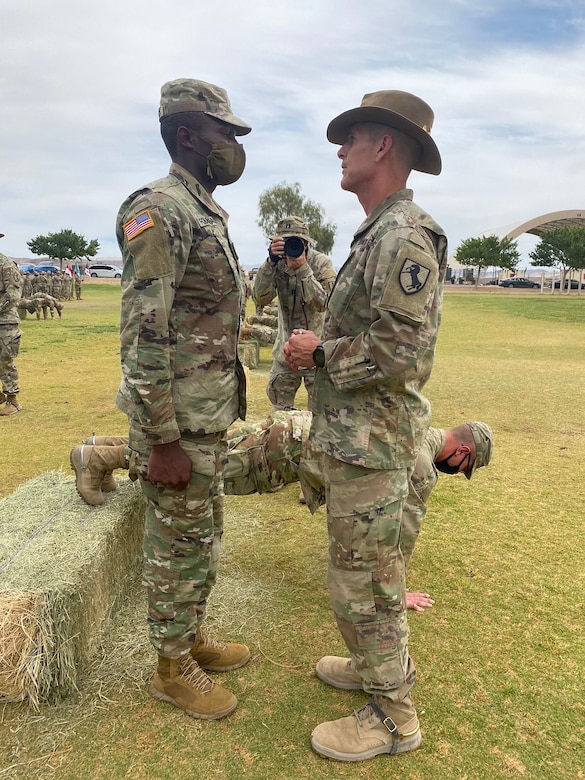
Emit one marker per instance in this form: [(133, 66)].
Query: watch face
[(319, 356)]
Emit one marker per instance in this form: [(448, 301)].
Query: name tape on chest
[(138, 225), (204, 221)]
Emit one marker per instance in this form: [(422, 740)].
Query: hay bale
[(65, 568)]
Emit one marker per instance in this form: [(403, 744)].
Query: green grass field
[(501, 655)]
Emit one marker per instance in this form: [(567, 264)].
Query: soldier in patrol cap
[(262, 457), (369, 415), (302, 285), (182, 382), (459, 450), (10, 333)]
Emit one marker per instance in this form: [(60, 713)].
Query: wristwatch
[(319, 356)]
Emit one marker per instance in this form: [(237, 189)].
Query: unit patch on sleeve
[(411, 279), (139, 224), (413, 276)]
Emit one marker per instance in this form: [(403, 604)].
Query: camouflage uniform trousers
[(9, 348), (366, 573), (284, 382), (263, 457), (182, 538)]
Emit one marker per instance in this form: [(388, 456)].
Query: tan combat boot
[(215, 656), (10, 407), (108, 441), (90, 464), (338, 672), (109, 483), (182, 682), (370, 731)]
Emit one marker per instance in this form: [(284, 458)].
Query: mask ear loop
[(447, 468)]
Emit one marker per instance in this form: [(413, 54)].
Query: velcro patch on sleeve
[(410, 281), (138, 224), (150, 249)]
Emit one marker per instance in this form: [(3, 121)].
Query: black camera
[(294, 247)]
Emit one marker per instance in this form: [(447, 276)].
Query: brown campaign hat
[(193, 95), (394, 108)]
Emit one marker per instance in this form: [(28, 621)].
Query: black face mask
[(445, 467)]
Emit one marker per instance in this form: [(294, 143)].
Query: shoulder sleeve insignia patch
[(413, 276), (138, 225)]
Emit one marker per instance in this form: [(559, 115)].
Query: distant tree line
[(562, 248)]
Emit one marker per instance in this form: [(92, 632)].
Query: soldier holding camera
[(302, 279)]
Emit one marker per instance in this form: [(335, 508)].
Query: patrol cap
[(398, 109), (484, 441), (293, 226), (193, 95)]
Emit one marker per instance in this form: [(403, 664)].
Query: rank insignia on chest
[(139, 224), (413, 276)]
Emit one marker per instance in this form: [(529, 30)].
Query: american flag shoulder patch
[(138, 224)]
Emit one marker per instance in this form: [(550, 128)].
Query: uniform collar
[(190, 182), (381, 207)]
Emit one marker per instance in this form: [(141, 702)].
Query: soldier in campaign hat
[(182, 382), (370, 418)]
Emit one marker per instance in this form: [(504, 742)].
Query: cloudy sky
[(80, 85)]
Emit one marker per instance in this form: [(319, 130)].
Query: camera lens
[(294, 246)]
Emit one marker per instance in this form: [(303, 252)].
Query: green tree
[(486, 251), (563, 248), (284, 200), (64, 246)]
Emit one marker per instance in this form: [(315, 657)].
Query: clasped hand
[(299, 349)]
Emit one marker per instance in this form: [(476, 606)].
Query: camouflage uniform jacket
[(27, 286), (10, 291), (40, 283), (302, 295), (424, 477), (379, 338), (57, 286), (182, 293)]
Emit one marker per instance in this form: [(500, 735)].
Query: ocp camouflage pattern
[(379, 338), (182, 538), (421, 485), (182, 297)]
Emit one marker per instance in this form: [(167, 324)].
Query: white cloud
[(82, 84)]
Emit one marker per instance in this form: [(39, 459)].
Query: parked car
[(26, 268), (46, 266), (102, 269), (519, 282), (574, 284)]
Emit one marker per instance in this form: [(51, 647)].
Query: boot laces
[(366, 713), (211, 644), (193, 674)]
